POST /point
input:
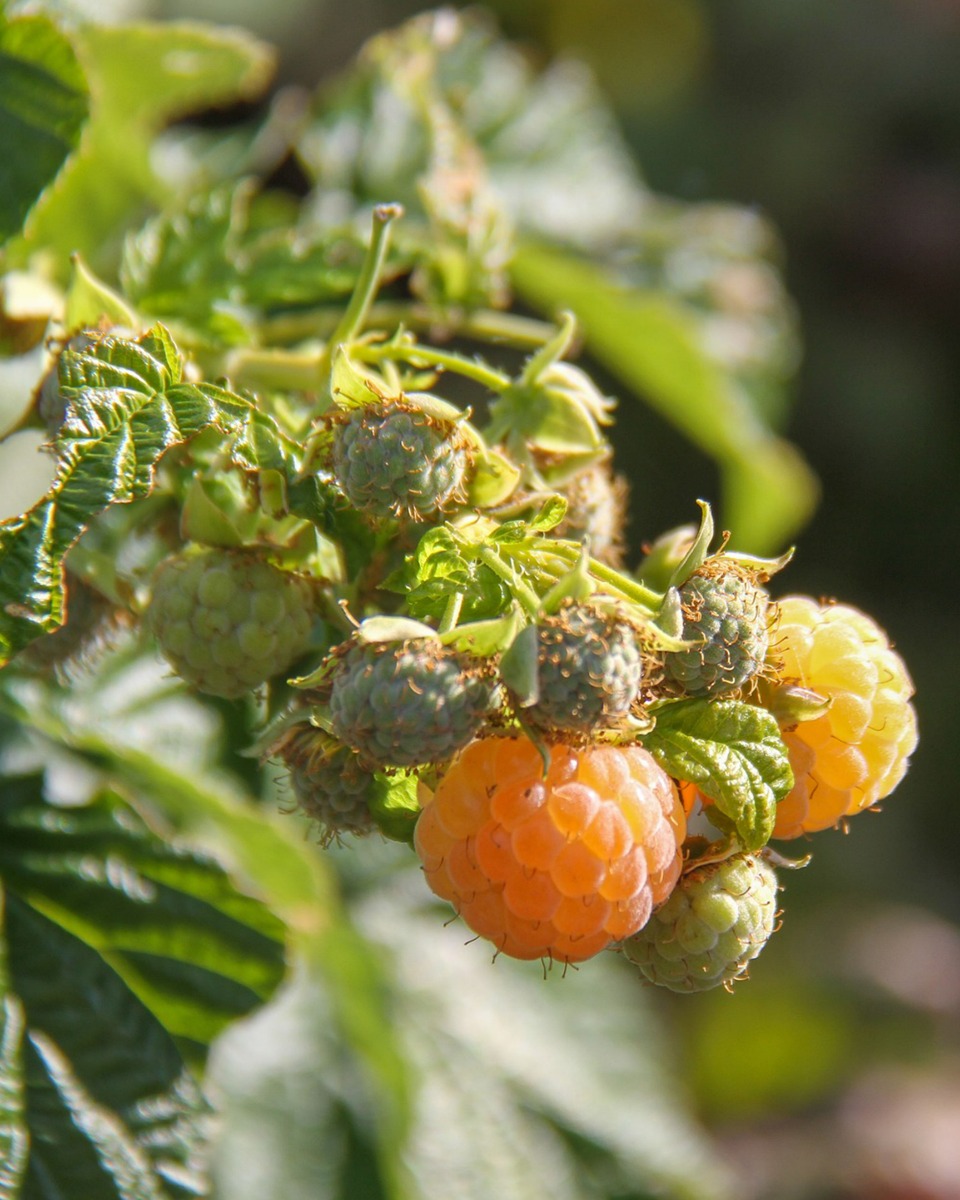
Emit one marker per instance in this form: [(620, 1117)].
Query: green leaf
[(43, 107), (215, 255), (520, 666), (549, 139), (100, 1123), (141, 78), (261, 447), (14, 1141), (197, 952), (127, 407), (735, 755), (89, 300), (650, 342), (394, 806), (543, 417), (439, 570), (269, 851), (550, 515), (494, 477)]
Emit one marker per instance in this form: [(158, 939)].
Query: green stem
[(526, 595), (484, 325), (566, 555), (353, 319), (451, 613), (278, 369), (551, 351), (427, 356)]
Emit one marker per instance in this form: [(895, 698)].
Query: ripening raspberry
[(556, 866), (717, 920), (329, 784), (857, 752), (402, 704)]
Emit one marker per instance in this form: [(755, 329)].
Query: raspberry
[(329, 784), (857, 752), (556, 866), (402, 704), (589, 670), (596, 509), (717, 920), (393, 459), (725, 613), (227, 620)]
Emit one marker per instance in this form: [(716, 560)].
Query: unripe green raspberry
[(329, 784), (392, 459), (589, 671), (717, 920), (409, 703), (725, 614), (228, 620)]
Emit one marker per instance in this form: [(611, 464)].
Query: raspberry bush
[(337, 532)]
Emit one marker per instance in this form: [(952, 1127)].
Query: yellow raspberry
[(857, 752), (556, 866)]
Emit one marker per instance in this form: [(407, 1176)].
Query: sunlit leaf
[(733, 752), (91, 1114), (128, 405), (267, 849), (14, 1139)]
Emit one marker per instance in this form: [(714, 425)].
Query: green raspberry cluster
[(329, 785), (227, 621)]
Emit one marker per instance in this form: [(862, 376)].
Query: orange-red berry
[(552, 866)]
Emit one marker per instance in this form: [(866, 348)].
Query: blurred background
[(835, 1072)]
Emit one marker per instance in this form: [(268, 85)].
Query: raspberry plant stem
[(425, 356), (451, 614), (353, 319), (484, 325), (551, 351), (566, 556), (526, 595)]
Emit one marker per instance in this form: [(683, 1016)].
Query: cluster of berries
[(518, 752)]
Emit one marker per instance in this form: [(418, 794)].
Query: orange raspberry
[(857, 752), (556, 866)]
